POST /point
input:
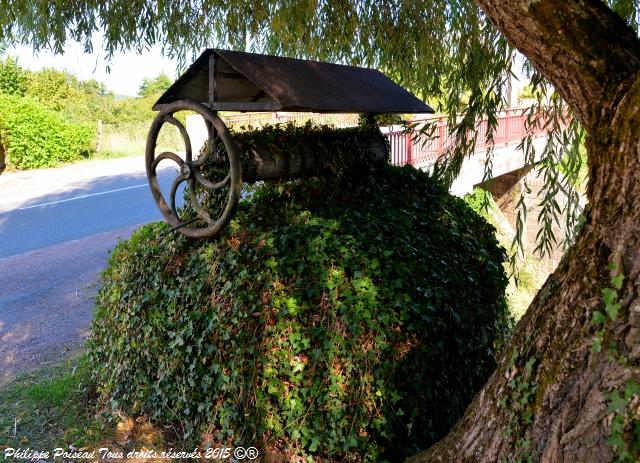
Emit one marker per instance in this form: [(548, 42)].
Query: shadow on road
[(47, 299), (77, 211)]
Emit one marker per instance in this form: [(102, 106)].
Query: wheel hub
[(186, 170)]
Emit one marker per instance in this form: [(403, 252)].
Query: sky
[(127, 69)]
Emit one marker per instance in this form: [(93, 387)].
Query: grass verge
[(54, 407), (51, 408)]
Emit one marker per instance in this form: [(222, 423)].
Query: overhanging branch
[(572, 44)]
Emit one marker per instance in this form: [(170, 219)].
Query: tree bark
[(547, 399), (3, 158)]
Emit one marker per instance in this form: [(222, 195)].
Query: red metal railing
[(406, 148)]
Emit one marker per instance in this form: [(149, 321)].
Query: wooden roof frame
[(237, 81)]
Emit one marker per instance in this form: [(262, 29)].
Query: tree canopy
[(153, 86), (444, 50)]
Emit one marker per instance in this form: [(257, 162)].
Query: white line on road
[(83, 196)]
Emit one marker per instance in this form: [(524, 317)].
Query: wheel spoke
[(209, 185), (172, 197), (166, 155), (193, 195), (212, 135), (185, 135)]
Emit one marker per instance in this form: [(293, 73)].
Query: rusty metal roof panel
[(249, 81)]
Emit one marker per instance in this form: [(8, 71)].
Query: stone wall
[(506, 190)]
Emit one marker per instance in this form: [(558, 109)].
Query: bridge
[(423, 152), (419, 152), (509, 170)]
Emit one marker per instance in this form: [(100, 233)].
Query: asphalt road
[(47, 301), (57, 227), (46, 207)]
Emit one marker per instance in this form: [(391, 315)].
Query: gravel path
[(46, 301)]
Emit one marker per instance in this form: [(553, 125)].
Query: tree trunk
[(3, 158), (549, 400)]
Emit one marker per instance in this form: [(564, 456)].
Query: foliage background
[(50, 117), (33, 136), (444, 50)]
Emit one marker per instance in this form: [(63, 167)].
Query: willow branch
[(585, 49)]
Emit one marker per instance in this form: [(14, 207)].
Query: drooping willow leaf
[(443, 50)]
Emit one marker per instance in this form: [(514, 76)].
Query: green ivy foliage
[(33, 136), (349, 319)]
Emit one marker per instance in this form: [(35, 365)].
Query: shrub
[(13, 79), (352, 321), (55, 89), (154, 86), (33, 136), (79, 101)]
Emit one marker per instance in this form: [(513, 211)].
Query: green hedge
[(351, 321), (33, 136), (13, 79)]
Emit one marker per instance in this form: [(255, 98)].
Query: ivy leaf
[(528, 367), (631, 389), (178, 341), (314, 444), (612, 310), (616, 402), (610, 295), (598, 318), (617, 281)]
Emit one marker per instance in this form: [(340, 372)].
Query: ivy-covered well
[(346, 318)]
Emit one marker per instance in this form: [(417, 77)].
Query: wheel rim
[(191, 172)]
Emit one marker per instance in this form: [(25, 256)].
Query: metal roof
[(254, 82)]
